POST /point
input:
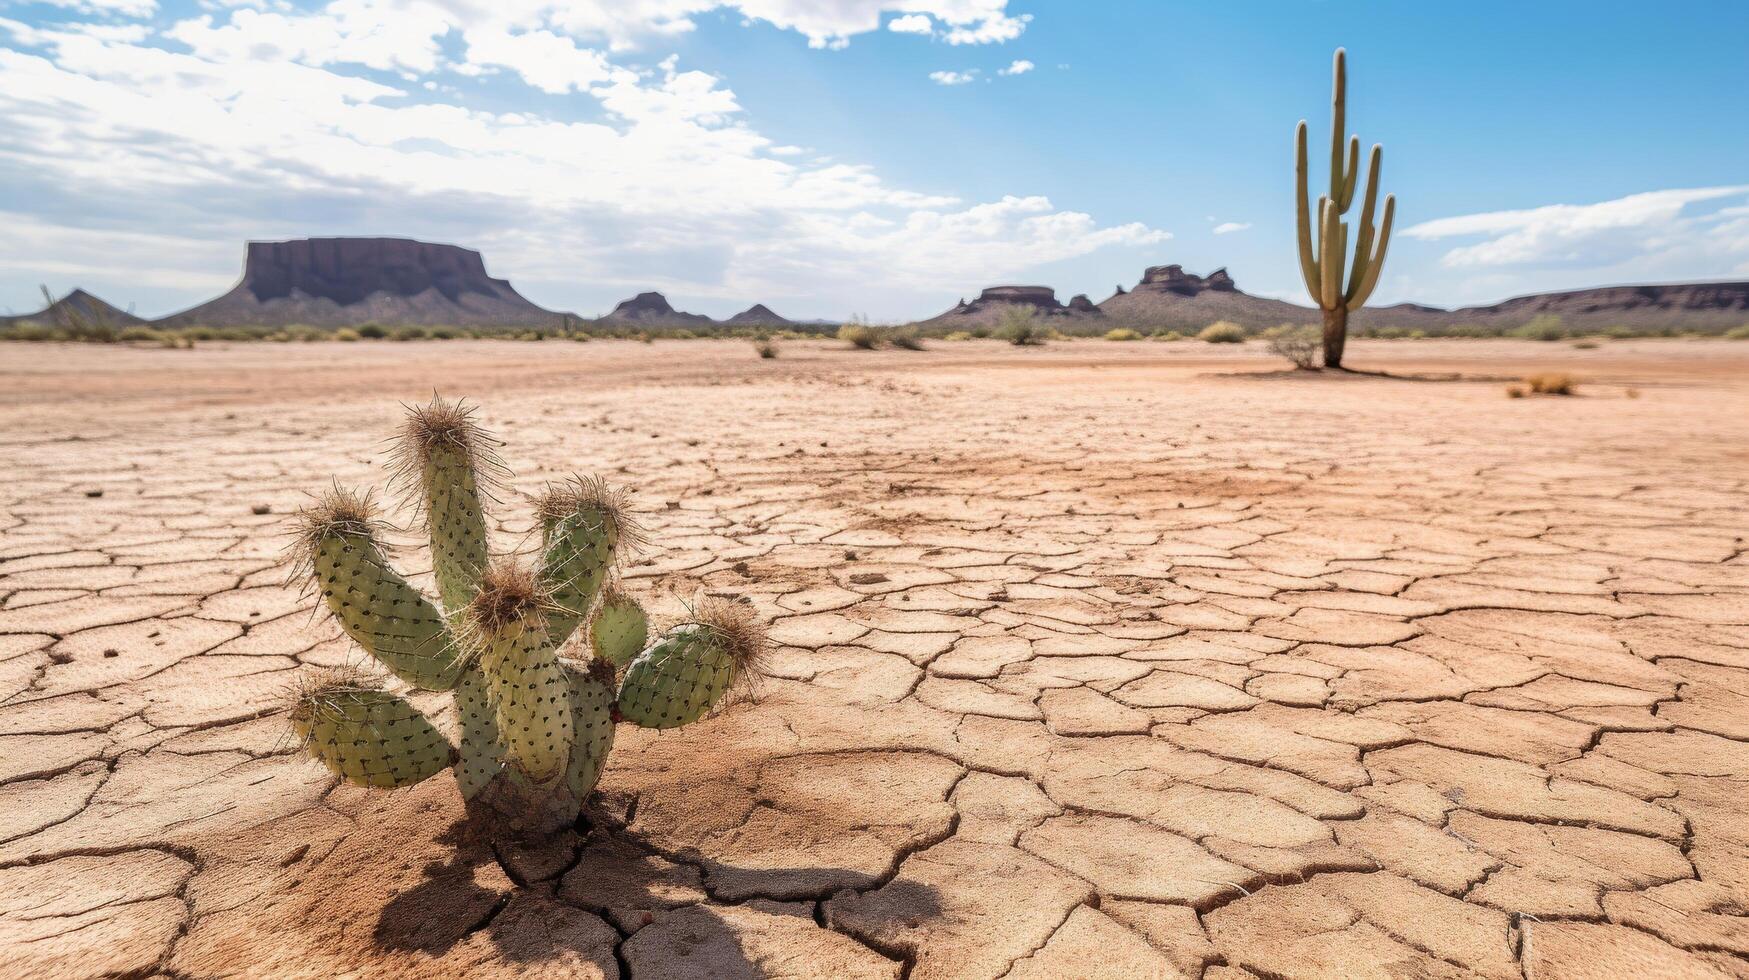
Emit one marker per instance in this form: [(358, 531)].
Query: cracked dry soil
[(1135, 660)]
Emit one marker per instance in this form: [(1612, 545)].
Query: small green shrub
[(859, 335), (372, 331), (1544, 328), (1170, 336), (766, 347), (1738, 333), (1222, 333), (442, 333), (1585, 345), (905, 338), (958, 335), (407, 333), (1122, 333), (1019, 326), (138, 333), (346, 335)]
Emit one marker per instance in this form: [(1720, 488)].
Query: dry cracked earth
[(1099, 660)]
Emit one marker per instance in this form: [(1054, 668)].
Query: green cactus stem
[(619, 629), (683, 674), (536, 728), (583, 526), (367, 735), (448, 457), (1323, 255), (391, 620)]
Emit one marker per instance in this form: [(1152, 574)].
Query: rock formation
[(351, 281), (988, 307), (76, 305), (652, 309), (757, 315)]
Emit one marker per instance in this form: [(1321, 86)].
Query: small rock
[(261, 509), (867, 578), (94, 493)]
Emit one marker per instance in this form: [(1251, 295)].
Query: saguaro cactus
[(530, 654), (1322, 261)]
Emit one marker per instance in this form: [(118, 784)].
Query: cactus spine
[(535, 725), (1323, 256)]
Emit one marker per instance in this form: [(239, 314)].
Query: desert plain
[(1091, 660)]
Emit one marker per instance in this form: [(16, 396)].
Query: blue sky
[(882, 157)]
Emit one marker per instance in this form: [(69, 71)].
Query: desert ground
[(1097, 659)]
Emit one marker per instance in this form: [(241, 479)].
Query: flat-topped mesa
[(347, 270), (1173, 279), (351, 281), (1044, 298)]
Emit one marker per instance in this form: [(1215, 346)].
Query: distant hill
[(76, 305), (757, 315), (335, 282), (987, 309), (1168, 298), (652, 309)]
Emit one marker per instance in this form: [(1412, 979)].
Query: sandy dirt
[(1115, 660)]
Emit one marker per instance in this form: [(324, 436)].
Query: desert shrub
[(534, 336), (906, 338), (205, 333), (305, 335), (1585, 345), (1417, 334), (1619, 332), (1222, 333), (1552, 383), (175, 340), (581, 338), (1122, 333), (138, 333), (1019, 326), (958, 335), (646, 338), (1388, 333), (1514, 391), (346, 335), (1170, 336), (682, 334), (373, 331), (859, 335), (443, 333), (1544, 327), (981, 332), (407, 333), (1738, 333), (766, 347), (31, 331), (1300, 345)]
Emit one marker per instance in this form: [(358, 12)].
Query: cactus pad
[(448, 456), (619, 629), (679, 677), (592, 721), (372, 602), (368, 736), (530, 694), (583, 525)]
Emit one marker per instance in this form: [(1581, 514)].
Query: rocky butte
[(350, 281)]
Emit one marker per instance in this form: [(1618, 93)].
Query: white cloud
[(1020, 67), (253, 124), (912, 24), (124, 8), (1228, 227), (1600, 234), (953, 77), (989, 30)]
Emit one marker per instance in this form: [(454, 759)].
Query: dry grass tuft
[(1552, 383), (766, 347), (1514, 391), (860, 336), (1222, 332), (1122, 333)]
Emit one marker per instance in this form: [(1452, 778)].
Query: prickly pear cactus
[(535, 723)]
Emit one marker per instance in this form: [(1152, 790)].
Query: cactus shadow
[(657, 907)]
